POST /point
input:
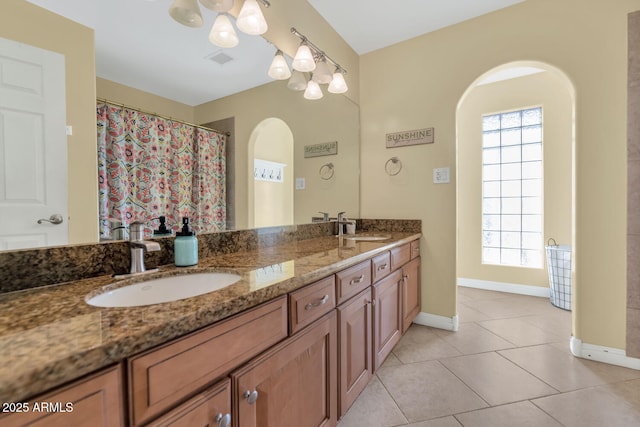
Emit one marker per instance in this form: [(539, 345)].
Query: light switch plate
[(441, 176), (300, 183)]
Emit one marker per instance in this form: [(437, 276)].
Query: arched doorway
[(512, 87), (271, 174)]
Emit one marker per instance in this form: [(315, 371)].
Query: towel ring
[(393, 166), (326, 171)]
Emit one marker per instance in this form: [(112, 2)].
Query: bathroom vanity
[(293, 343)]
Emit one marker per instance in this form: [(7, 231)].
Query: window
[(512, 188)]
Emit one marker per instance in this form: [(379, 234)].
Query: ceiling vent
[(219, 57)]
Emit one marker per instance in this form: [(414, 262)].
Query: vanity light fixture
[(250, 19), (279, 69), (313, 91), (222, 33), (297, 81), (305, 61), (186, 12), (338, 84)]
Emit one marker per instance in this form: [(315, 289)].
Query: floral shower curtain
[(150, 166)]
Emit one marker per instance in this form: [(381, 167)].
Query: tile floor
[(508, 365)]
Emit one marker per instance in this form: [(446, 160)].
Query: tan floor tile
[(427, 390), (480, 294), (391, 360), (467, 314), (520, 332), (472, 339), (558, 322), (511, 415), (496, 379), (591, 407), (374, 407), (629, 391), (565, 372), (438, 422), (506, 307), (421, 343)]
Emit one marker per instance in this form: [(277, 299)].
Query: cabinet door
[(410, 292), (292, 385), (211, 408), (387, 320), (96, 401), (355, 347)]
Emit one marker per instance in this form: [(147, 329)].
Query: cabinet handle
[(372, 302), (405, 278), (317, 303), (251, 396), (382, 267), (358, 280), (223, 420)]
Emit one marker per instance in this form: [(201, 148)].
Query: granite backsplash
[(31, 268)]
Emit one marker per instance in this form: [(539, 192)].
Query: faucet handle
[(136, 230), (325, 216)]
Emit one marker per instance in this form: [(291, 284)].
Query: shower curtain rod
[(118, 104)]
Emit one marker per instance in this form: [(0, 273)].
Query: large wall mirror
[(333, 118)]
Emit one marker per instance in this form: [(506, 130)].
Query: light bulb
[(313, 91), (322, 73), (250, 19), (297, 81), (338, 84), (303, 61), (186, 12), (279, 69), (219, 6), (222, 33)]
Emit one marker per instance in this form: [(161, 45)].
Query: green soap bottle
[(185, 246)]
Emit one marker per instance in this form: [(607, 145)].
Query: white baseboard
[(436, 321), (536, 291), (612, 356)]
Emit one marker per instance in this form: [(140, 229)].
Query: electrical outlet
[(441, 176), (300, 183)]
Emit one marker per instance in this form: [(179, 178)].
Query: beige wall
[(418, 83), (553, 94), (26, 23), (332, 118)]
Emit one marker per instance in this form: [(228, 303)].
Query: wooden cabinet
[(355, 319), (353, 280), (292, 385), (380, 266), (311, 303), (211, 408), (96, 401), (410, 294), (400, 255), (387, 319), (163, 377)]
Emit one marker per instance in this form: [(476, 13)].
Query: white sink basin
[(368, 238), (165, 289)]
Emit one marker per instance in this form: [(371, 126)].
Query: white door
[(33, 147)]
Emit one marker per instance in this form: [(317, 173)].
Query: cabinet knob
[(223, 420), (251, 396)]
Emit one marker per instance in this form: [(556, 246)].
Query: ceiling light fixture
[(250, 19), (279, 69), (222, 33), (305, 61), (297, 81), (186, 12)]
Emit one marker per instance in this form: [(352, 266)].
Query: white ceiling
[(136, 36)]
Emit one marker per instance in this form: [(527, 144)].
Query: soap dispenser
[(185, 246), (162, 227)]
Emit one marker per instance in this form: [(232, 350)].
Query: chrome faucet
[(341, 222), (138, 247)]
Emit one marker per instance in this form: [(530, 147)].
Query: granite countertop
[(50, 335)]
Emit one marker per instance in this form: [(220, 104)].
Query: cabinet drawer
[(96, 401), (415, 249), (209, 408), (354, 279), (311, 303), (400, 256), (380, 266), (162, 377)]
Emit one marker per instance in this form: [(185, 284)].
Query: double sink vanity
[(291, 333)]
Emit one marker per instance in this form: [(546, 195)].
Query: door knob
[(53, 219), (251, 396)]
